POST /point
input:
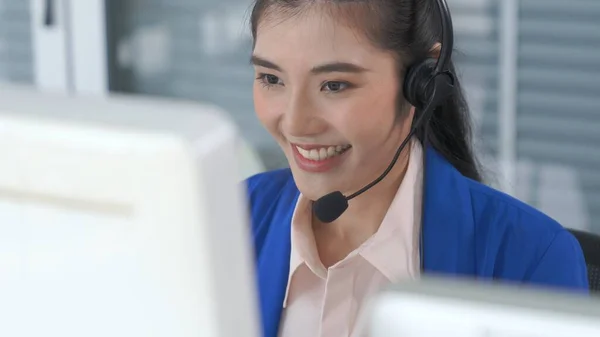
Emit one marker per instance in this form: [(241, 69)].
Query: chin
[(310, 186)]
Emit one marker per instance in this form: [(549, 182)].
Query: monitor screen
[(453, 308), (121, 217)]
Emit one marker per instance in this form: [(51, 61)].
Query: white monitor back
[(461, 308), (121, 217)]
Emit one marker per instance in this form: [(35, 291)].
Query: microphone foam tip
[(329, 207)]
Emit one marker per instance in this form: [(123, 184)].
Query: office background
[(530, 68)]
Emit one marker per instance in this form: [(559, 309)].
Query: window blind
[(16, 55), (558, 120)]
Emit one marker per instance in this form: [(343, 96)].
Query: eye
[(335, 86), (269, 80)]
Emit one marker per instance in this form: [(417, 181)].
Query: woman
[(328, 88)]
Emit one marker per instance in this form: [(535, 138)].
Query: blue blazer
[(469, 229)]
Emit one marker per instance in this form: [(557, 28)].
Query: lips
[(319, 158)]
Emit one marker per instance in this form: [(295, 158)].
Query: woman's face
[(328, 97)]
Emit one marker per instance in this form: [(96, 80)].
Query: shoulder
[(501, 211), (527, 244), (265, 188), (271, 196), (274, 178)]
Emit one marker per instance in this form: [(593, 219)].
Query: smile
[(319, 158), (322, 153)]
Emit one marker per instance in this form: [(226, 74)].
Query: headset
[(427, 84)]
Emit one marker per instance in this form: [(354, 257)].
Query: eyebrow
[(261, 62), (337, 67)]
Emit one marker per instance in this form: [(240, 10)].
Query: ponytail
[(449, 133)]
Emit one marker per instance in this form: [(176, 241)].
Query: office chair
[(590, 244)]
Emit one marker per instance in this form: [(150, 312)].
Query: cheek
[(370, 119), (265, 109)]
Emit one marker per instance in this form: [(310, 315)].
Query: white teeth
[(314, 154), (322, 153)]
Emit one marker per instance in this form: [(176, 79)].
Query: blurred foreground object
[(121, 217), (464, 308), (250, 162)]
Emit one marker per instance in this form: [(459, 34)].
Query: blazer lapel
[(448, 226), (274, 262)]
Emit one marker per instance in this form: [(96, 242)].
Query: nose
[(301, 118)]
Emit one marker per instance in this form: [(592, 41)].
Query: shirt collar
[(303, 244), (394, 248)]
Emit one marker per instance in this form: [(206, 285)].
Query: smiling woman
[(329, 89)]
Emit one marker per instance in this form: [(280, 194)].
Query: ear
[(435, 50)]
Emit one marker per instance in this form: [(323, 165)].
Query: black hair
[(410, 29)]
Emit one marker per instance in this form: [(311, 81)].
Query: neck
[(366, 212)]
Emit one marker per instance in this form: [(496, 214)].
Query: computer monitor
[(121, 217), (461, 308)]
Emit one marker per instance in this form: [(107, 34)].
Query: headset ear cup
[(417, 82)]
